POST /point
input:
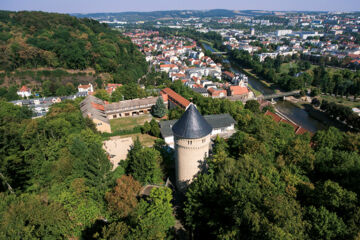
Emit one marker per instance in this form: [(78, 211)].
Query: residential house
[(110, 87), (217, 93), (24, 91), (86, 88)]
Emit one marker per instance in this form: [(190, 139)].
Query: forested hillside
[(56, 181), (31, 40)]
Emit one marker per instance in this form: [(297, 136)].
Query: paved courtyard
[(117, 149)]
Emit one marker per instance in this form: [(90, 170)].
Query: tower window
[(190, 142), (203, 140)]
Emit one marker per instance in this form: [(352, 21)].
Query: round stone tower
[(192, 142)]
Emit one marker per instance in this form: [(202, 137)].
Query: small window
[(114, 116), (190, 142), (204, 140)]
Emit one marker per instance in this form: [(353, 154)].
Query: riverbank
[(208, 46)]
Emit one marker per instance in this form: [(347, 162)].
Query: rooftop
[(178, 98), (216, 121), (191, 125)]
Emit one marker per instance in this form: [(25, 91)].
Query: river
[(291, 111)]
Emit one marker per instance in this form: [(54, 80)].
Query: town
[(180, 124)]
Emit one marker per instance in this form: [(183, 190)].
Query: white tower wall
[(189, 157)]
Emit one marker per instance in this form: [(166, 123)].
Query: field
[(128, 123), (285, 68), (145, 139)]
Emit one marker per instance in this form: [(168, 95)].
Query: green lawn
[(285, 67), (340, 100), (145, 139), (127, 123)]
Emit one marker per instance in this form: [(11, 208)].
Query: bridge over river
[(278, 95)]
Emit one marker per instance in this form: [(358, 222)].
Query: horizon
[(113, 6)]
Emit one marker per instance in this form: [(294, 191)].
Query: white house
[(86, 88), (24, 91)]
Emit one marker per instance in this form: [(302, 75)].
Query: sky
[(92, 6)]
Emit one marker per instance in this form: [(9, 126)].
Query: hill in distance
[(32, 40), (154, 15)]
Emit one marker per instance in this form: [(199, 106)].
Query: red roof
[(229, 74), (24, 89), (238, 90), (301, 131), (216, 92), (84, 86), (173, 96), (274, 116), (290, 123), (168, 66), (164, 97), (98, 106)]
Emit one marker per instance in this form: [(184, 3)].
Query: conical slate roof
[(191, 124)]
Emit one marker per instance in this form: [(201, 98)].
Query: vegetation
[(341, 113), (151, 128), (265, 182), (56, 183), (159, 109), (32, 40), (301, 75), (127, 123)]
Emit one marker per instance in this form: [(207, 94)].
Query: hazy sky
[(91, 6)]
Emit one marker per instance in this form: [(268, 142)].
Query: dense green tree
[(34, 217), (117, 95), (131, 91), (253, 106), (154, 217), (154, 128), (159, 109), (144, 164), (175, 113), (102, 94), (122, 199), (325, 224)]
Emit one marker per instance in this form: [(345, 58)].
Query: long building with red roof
[(175, 99)]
